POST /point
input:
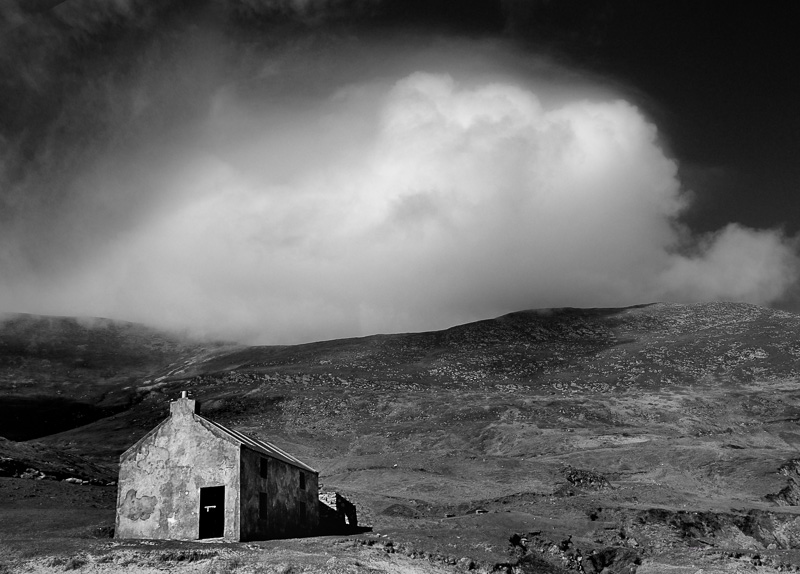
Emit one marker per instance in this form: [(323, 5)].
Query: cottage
[(191, 478)]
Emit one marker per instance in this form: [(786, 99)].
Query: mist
[(317, 185)]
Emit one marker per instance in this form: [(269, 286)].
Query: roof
[(257, 445)]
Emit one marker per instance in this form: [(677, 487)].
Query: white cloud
[(410, 204), (737, 264)]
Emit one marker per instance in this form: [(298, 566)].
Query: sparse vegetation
[(665, 434), (74, 563)]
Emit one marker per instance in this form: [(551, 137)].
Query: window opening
[(263, 505)]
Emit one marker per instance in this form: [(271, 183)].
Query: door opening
[(212, 512)]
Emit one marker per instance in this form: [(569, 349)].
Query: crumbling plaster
[(160, 479)]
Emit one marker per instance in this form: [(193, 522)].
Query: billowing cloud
[(311, 194), (735, 264)]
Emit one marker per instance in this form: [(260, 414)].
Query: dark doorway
[(212, 512)]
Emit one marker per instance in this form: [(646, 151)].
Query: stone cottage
[(191, 478)]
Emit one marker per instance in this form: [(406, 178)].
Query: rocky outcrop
[(586, 479), (579, 480), (755, 529), (15, 468), (790, 494), (540, 554)]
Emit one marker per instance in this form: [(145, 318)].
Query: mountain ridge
[(113, 365)]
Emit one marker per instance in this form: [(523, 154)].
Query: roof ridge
[(259, 445)]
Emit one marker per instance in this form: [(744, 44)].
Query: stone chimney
[(184, 406)]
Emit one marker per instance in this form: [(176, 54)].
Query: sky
[(283, 171)]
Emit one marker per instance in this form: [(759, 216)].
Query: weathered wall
[(285, 516), (336, 513), (159, 481)]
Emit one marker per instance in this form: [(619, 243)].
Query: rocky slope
[(57, 373), (658, 429)]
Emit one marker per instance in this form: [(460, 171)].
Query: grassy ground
[(664, 435)]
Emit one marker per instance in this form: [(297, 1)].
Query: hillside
[(663, 424), (60, 372)]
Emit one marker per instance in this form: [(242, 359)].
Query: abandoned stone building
[(191, 478), (336, 514)]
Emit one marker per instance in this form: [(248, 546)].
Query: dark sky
[(719, 78), (723, 83), (287, 170)]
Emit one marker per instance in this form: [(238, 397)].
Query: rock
[(586, 479), (32, 473), (534, 564), (466, 563), (613, 560)]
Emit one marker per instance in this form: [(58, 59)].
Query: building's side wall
[(285, 517), (159, 484)]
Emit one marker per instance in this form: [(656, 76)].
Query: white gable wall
[(160, 478)]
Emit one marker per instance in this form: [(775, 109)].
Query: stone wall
[(291, 511), (337, 514)]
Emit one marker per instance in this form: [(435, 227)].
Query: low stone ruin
[(336, 514)]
